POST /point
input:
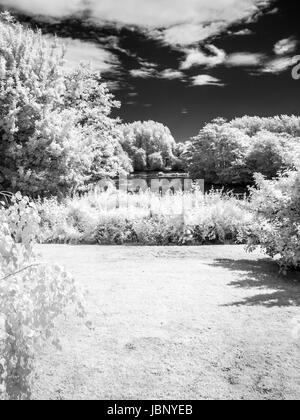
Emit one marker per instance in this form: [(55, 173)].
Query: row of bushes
[(145, 219)]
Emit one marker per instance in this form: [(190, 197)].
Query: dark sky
[(183, 72)]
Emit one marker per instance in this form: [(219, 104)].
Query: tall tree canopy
[(232, 152), (150, 145), (56, 133)]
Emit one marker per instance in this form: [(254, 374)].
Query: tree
[(217, 154), (94, 103), (228, 153), (56, 133), (154, 139), (140, 160), (280, 124), (156, 162), (179, 163), (267, 153)]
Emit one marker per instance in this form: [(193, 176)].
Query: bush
[(159, 230), (276, 207), (220, 219), (32, 297), (115, 231)]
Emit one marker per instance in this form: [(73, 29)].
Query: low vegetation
[(145, 218)]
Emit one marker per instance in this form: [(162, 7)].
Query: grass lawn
[(179, 323)]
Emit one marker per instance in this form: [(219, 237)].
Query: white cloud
[(148, 70), (160, 13), (114, 85), (196, 57), (190, 33), (285, 46), (143, 73), (171, 74), (147, 64), (87, 52), (55, 8), (279, 65), (274, 11), (179, 22), (242, 32), (206, 80), (245, 59)]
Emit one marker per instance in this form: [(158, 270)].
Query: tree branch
[(21, 270)]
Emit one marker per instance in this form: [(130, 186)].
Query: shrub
[(276, 226), (115, 231), (32, 297), (220, 219), (159, 230)]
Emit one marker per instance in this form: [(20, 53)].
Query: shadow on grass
[(275, 289)]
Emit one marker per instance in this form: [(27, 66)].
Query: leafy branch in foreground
[(32, 297)]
